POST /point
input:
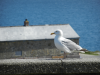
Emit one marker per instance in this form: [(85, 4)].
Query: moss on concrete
[(92, 52)]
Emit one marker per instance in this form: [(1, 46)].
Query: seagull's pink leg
[(64, 55)]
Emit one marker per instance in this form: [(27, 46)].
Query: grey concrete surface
[(83, 58), (85, 64)]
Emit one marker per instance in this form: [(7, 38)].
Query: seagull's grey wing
[(66, 49), (71, 45), (65, 43)]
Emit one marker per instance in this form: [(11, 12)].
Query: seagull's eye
[(56, 31)]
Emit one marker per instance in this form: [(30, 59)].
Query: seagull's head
[(58, 32)]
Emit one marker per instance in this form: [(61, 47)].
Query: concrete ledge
[(47, 65), (73, 55)]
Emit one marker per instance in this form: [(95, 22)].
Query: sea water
[(82, 15)]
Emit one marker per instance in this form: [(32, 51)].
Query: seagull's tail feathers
[(85, 50)]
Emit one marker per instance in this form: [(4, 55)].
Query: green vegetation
[(92, 53)]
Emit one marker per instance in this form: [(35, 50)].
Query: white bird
[(64, 44)]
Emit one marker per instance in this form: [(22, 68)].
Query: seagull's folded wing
[(71, 45)]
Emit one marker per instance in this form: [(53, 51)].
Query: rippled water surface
[(82, 15)]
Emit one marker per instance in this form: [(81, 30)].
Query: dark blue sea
[(82, 15)]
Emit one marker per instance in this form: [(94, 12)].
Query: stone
[(73, 55), (31, 47)]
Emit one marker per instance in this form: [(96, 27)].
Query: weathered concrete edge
[(49, 66)]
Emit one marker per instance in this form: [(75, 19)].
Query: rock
[(73, 55)]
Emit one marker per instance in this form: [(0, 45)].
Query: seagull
[(66, 45)]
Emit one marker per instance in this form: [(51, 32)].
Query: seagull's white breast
[(57, 43)]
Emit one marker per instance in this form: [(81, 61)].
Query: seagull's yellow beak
[(52, 33)]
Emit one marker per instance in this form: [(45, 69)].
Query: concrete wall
[(31, 66), (33, 48)]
